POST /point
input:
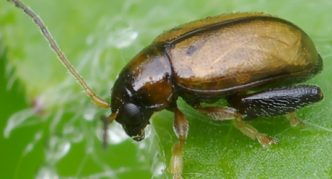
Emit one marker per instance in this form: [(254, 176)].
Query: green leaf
[(100, 38)]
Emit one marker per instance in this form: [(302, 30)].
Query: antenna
[(61, 56)]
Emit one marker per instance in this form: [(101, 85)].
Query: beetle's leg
[(181, 128), (277, 101), (253, 133), (294, 120), (219, 113), (105, 129), (227, 113), (106, 121)]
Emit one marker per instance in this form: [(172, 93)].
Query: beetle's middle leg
[(181, 128), (228, 113)]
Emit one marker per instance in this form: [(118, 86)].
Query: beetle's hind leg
[(253, 133), (294, 121), (181, 128), (276, 101), (228, 113)]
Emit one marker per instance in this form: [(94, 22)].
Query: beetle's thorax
[(146, 80)]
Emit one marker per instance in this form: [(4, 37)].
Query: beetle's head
[(128, 109), (133, 119)]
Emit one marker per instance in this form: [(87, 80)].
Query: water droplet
[(159, 170), (17, 120), (72, 134), (32, 144), (115, 134), (89, 114), (57, 148), (148, 131), (122, 38), (11, 78), (46, 173), (141, 145)]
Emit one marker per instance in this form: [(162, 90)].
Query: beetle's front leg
[(228, 113), (181, 128), (106, 121)]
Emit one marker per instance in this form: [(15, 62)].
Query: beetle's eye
[(131, 110)]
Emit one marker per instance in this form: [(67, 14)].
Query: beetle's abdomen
[(241, 53)]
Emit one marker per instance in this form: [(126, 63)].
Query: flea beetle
[(253, 60)]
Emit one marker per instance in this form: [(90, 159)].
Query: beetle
[(253, 60)]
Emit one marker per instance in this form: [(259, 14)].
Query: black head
[(133, 119), (132, 115)]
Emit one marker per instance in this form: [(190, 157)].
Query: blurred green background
[(50, 130)]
